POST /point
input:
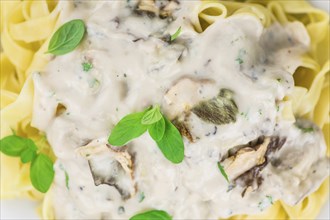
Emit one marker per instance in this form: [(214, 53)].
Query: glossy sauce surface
[(133, 68)]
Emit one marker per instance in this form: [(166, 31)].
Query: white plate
[(26, 209)]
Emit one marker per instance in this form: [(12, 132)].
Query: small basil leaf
[(223, 172), (42, 173), (157, 130), (151, 116), (12, 145), (67, 37), (171, 144), (128, 128), (152, 215)]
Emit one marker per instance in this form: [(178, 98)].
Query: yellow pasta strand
[(24, 44)]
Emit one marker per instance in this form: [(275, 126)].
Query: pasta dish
[(166, 109)]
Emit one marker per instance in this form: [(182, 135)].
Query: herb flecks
[(141, 197), (176, 34), (305, 129), (94, 83), (266, 202), (223, 172), (240, 57), (305, 126), (162, 131), (87, 66), (41, 168), (270, 199), (67, 178)]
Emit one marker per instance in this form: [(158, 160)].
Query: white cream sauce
[(134, 68)]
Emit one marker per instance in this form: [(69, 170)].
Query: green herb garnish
[(277, 108), (265, 203), (171, 144), (305, 130), (13, 145), (239, 60), (163, 132), (141, 197), (152, 215), (176, 34), (94, 83), (240, 56), (30, 151), (128, 128), (67, 37), (304, 126), (42, 172), (223, 172), (41, 168), (152, 116), (67, 178), (157, 130), (87, 66), (270, 199)]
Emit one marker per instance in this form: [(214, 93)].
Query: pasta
[(24, 44)]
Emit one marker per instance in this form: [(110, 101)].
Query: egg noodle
[(26, 27)]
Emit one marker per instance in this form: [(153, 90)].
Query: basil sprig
[(67, 37), (41, 168), (162, 131), (152, 215)]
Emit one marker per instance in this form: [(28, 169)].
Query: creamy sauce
[(133, 67)]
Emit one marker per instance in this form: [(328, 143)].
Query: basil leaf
[(152, 215), (128, 128), (157, 130), (151, 116), (30, 152), (42, 173), (171, 144), (223, 172), (67, 37), (12, 145), (176, 34)]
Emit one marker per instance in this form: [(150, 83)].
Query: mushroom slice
[(147, 7), (245, 159), (219, 110), (245, 163), (186, 93), (167, 10), (111, 167), (183, 129)]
